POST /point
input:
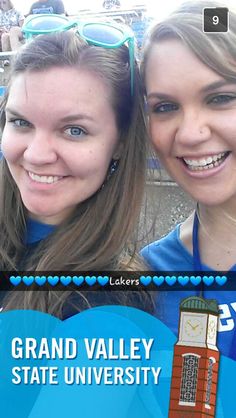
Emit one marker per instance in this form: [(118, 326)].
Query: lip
[(202, 174), (44, 186), (200, 156), (44, 174)]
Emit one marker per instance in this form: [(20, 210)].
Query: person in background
[(190, 81), (11, 21), (47, 6), (72, 179)]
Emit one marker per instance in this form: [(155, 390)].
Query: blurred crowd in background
[(12, 19)]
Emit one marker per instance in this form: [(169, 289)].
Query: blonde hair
[(97, 234), (216, 50)]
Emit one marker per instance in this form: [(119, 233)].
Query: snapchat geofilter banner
[(105, 362)]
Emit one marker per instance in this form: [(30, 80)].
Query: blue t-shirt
[(36, 231), (169, 254)]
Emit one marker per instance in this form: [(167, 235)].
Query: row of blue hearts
[(54, 280), (103, 280), (183, 280)]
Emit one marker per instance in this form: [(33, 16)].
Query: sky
[(73, 6)]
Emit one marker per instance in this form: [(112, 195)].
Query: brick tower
[(196, 361)]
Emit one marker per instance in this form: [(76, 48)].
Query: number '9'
[(215, 20)]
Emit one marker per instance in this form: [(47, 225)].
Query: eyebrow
[(216, 85), (13, 112), (157, 95), (65, 119), (206, 89), (76, 116)]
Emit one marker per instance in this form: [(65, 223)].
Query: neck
[(219, 221)]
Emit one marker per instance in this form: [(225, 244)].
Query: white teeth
[(205, 163), (44, 179)]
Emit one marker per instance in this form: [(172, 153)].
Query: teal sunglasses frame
[(125, 33)]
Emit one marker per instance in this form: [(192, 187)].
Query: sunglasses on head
[(103, 34)]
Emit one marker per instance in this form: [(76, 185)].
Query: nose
[(193, 128), (41, 149)]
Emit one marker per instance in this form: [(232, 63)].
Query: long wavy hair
[(97, 234), (216, 50)]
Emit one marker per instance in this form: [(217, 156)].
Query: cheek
[(88, 165), (152, 132), (162, 138), (228, 131), (157, 139), (11, 149)]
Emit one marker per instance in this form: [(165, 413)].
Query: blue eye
[(75, 131), (165, 108), (19, 123), (221, 99)]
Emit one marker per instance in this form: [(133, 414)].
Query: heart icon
[(65, 280), (40, 280), (15, 280), (103, 280), (53, 280), (221, 280), (195, 280), (145, 280), (183, 280), (208, 280), (28, 280), (90, 280), (78, 280), (158, 280), (170, 280)]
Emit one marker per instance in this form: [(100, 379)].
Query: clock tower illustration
[(196, 360)]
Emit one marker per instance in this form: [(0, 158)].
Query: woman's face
[(59, 139), (192, 122)]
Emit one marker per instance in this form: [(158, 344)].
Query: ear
[(118, 151)]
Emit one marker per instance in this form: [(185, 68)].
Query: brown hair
[(96, 236)]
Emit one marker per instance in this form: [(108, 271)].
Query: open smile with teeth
[(44, 179), (206, 163)]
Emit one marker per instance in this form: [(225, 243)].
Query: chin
[(45, 215), (211, 198)]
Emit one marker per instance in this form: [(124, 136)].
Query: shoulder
[(168, 253)]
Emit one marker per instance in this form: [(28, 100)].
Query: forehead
[(170, 60), (60, 87)]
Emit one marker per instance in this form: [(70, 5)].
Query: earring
[(114, 164)]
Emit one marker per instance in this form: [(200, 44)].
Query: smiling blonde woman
[(190, 81)]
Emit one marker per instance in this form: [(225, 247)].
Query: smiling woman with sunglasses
[(74, 161)]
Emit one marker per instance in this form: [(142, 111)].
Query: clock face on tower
[(193, 327)]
